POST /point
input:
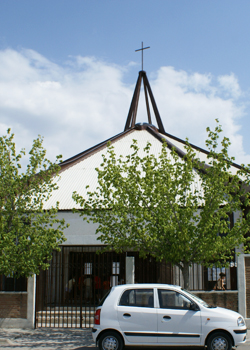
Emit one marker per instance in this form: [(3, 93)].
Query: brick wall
[(227, 299), (13, 304)]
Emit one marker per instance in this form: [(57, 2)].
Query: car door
[(177, 323), (137, 316)]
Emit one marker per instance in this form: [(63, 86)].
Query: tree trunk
[(185, 272)]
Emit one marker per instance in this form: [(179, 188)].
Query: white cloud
[(72, 106), (85, 101), (191, 102), (230, 85)]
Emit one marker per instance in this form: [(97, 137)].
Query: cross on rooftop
[(142, 48)]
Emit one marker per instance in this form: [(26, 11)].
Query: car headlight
[(241, 322)]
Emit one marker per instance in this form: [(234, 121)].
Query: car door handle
[(126, 315), (166, 318)]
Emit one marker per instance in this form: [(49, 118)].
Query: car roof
[(147, 285)]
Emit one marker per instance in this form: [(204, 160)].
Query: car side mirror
[(194, 307)]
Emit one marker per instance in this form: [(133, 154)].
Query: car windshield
[(199, 300)]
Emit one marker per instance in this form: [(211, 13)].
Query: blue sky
[(68, 69)]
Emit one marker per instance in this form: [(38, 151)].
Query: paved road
[(62, 339)]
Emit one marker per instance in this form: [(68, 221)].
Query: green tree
[(170, 207), (28, 234)]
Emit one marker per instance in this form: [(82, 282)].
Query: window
[(138, 297), (12, 284), (169, 299), (115, 268), (115, 274), (88, 268)]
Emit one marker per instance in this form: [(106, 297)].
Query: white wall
[(79, 232)]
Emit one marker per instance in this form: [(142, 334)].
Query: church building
[(80, 274)]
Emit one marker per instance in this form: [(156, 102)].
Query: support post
[(130, 269), (31, 302)]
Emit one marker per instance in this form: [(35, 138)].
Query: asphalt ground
[(64, 338)]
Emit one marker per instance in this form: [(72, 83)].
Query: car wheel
[(219, 341), (110, 341)]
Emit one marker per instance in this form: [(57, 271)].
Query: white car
[(162, 315)]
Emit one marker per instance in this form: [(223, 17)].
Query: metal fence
[(79, 276), (202, 278)]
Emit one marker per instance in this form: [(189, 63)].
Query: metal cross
[(142, 48)]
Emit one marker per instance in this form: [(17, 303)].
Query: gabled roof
[(79, 171)]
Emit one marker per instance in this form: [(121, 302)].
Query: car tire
[(110, 341), (219, 341)]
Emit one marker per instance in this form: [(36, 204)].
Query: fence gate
[(79, 276)]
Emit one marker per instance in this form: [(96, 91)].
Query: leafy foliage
[(28, 234), (171, 207)]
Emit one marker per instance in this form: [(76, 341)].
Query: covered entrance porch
[(79, 276)]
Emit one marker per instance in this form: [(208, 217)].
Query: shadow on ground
[(149, 348), (47, 338)]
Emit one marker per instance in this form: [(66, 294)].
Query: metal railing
[(68, 292)]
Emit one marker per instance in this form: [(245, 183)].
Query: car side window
[(137, 297), (170, 299)]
